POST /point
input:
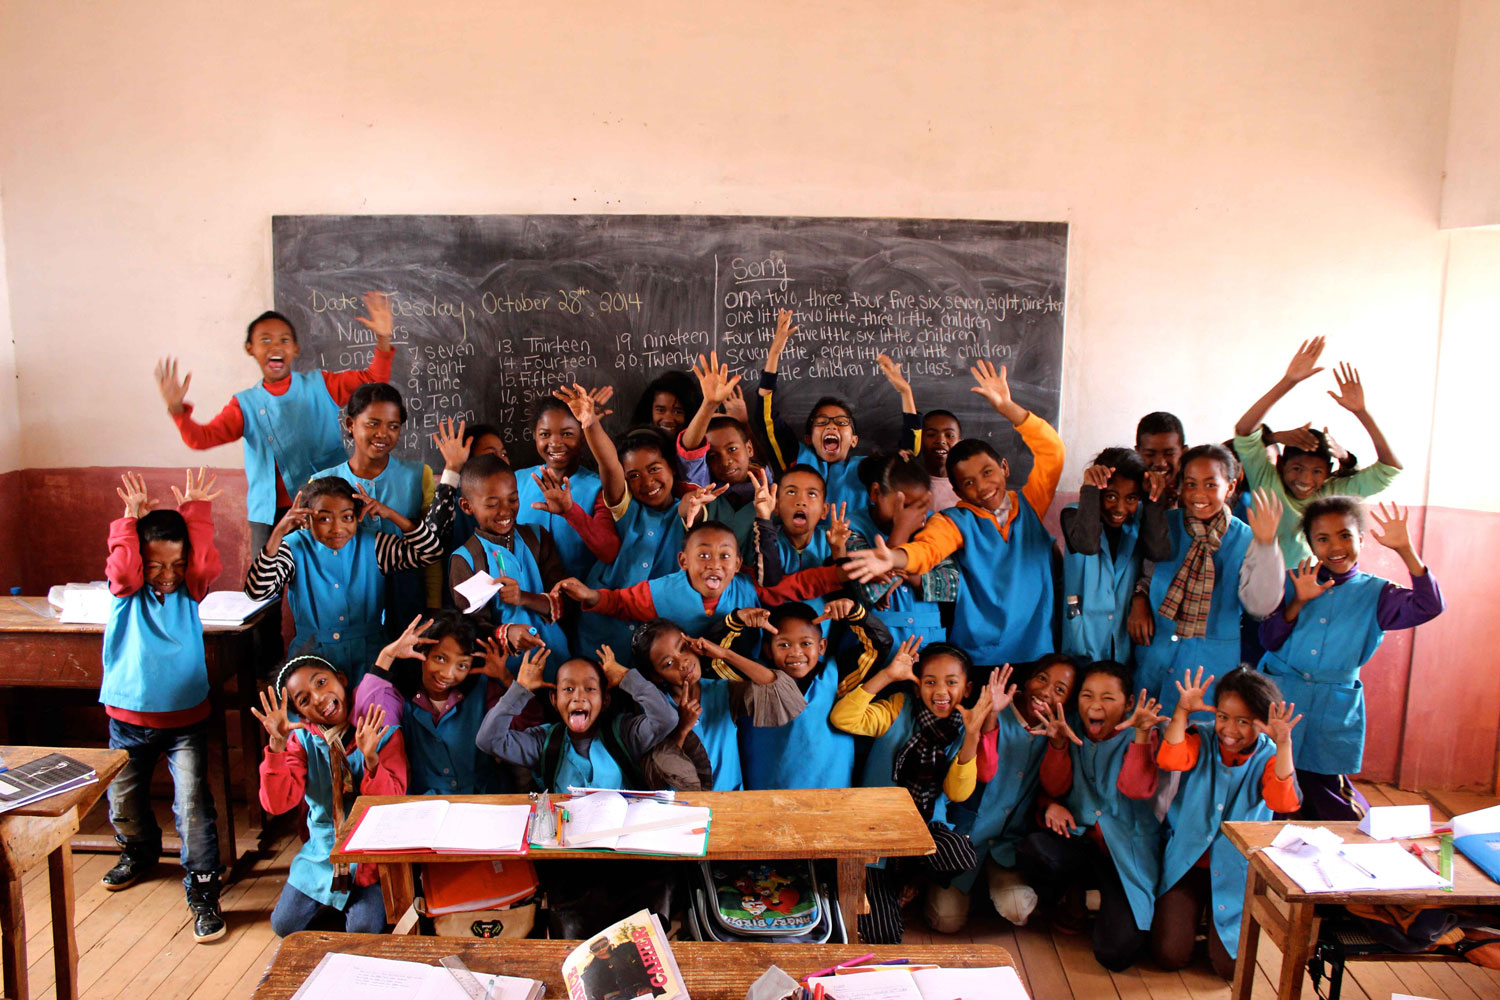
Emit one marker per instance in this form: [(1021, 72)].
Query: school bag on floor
[(778, 902)]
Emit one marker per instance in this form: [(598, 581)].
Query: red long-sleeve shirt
[(125, 571), (229, 424), (635, 603)]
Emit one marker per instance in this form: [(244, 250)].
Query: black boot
[(136, 861), (203, 900)]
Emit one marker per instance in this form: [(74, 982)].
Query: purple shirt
[(1398, 607)]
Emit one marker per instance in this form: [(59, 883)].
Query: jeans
[(186, 750), (363, 914)]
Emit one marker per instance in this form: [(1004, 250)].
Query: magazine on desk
[(626, 960), (42, 778)]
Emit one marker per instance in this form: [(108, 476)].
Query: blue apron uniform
[(795, 560), (399, 487), (295, 434), (719, 735), (906, 615), (1004, 609), (841, 479), (521, 567), (584, 485), (1210, 794), (1130, 827), (1097, 590), (1003, 815), (1160, 665), (650, 542), (442, 754), (597, 770), (740, 520), (677, 601), (311, 872), (804, 753), (338, 599), (153, 653), (1317, 668)]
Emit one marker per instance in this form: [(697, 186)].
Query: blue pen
[(1357, 866)]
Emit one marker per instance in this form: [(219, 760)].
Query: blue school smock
[(1212, 793), (338, 601), (597, 770), (1130, 827), (907, 615), (311, 872), (1102, 584), (740, 520), (1317, 668), (399, 487), (1161, 664), (295, 434), (441, 752), (807, 752), (795, 560), (1004, 609), (841, 479), (1002, 817), (153, 653), (677, 601), (650, 542), (719, 735), (521, 567), (584, 485)]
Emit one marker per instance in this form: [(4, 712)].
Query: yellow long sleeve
[(859, 713)]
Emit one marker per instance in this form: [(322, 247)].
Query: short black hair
[(1338, 504), (650, 438), (161, 526), (479, 468), (1214, 453), (1114, 668), (805, 469), (792, 611), (676, 383), (473, 432), (830, 401), (1254, 688), (702, 526), (724, 422), (545, 405), (944, 413), (1125, 461), (1160, 422), (330, 486), (893, 472), (461, 628), (966, 449), (369, 394), (307, 661), (932, 652), (1322, 452), (645, 636), (268, 314), (1026, 671)]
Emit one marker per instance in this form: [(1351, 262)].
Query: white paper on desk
[(477, 590), (339, 976), (85, 604), (1480, 821), (999, 983), (883, 984), (482, 828), (398, 825), (228, 607), (1390, 822), (1312, 838), (1407, 996), (1393, 867)]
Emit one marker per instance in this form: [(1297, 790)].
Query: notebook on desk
[(42, 778)]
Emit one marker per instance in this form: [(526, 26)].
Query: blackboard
[(493, 311)]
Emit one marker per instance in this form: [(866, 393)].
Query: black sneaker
[(203, 900), (129, 870)]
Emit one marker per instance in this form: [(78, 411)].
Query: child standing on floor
[(926, 745), (1237, 769), (560, 493), (323, 760), (1160, 442), (1302, 475), (289, 420), (1327, 627), (155, 689)]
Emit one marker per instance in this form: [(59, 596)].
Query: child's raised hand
[(1339, 452), (975, 718), (903, 665), (765, 493), (871, 564), (1392, 524), (784, 331), (491, 662), (614, 670), (583, 405), (369, 506), (1305, 584), (1297, 437), (529, 670), (1265, 516), (736, 407), (137, 504), (1002, 691), (1156, 485), (368, 734), (689, 708), (714, 379), (1351, 394), (839, 530), (451, 444), (201, 488), (273, 718), (1059, 819), (408, 645), (993, 385), (756, 618), (907, 521), (1304, 364), (705, 647), (557, 492), (1190, 691), (892, 372), (1052, 722), (835, 610), (1097, 476), (380, 322), (1146, 717), (576, 589), (1279, 722), (173, 392), (696, 500), (521, 637)]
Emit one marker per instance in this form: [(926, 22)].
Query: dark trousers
[(1329, 797), (136, 829), (1052, 864), (883, 924), (1175, 925)]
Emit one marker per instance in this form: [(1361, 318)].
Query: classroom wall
[(12, 564), (1238, 177), (1471, 190)]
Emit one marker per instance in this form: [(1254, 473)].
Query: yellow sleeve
[(859, 713), (1047, 453), (433, 575), (938, 539), (618, 510), (961, 779)]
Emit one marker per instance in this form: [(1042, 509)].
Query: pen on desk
[(818, 991), (855, 961), (1318, 867), (1356, 865)]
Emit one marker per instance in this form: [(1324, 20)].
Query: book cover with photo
[(627, 960)]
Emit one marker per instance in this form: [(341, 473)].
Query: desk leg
[(13, 937), (1297, 950), (851, 876), (64, 945), (1244, 965), (398, 887)]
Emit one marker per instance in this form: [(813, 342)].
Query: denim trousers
[(295, 909), (186, 750)]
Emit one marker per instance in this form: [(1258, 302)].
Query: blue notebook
[(1484, 850)]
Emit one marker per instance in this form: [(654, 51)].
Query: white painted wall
[(10, 417), (1471, 191), (1239, 174), (1464, 474)]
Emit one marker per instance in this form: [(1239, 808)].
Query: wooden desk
[(710, 971), (853, 826), (46, 653), (44, 830), (1297, 932)]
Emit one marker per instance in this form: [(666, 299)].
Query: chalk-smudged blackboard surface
[(494, 311)]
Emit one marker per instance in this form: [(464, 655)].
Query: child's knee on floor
[(946, 909)]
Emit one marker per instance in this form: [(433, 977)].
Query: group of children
[(722, 600)]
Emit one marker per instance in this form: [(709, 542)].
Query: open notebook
[(609, 821), (342, 977), (441, 827), (998, 983)]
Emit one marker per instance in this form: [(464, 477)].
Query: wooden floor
[(138, 943)]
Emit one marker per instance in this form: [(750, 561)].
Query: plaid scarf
[(1191, 591), (922, 763)]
